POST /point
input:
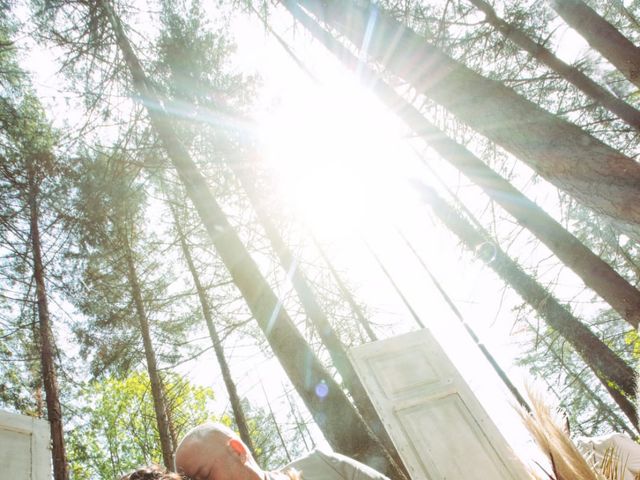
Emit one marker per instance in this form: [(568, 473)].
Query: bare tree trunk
[(236, 405), (299, 422), (283, 443), (571, 74), (602, 36), (485, 351), (159, 400), (335, 415), (173, 435), (316, 314), (617, 377), (346, 294), (49, 377), (600, 177), (623, 297), (395, 286)]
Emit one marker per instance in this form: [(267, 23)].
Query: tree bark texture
[(157, 390), (594, 272), (598, 176), (333, 412), (617, 377), (602, 36), (234, 399), (571, 74), (49, 377)]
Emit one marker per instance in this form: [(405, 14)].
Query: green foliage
[(111, 208), (266, 440), (119, 431), (632, 338), (27, 146), (581, 396), (11, 75), (194, 59)]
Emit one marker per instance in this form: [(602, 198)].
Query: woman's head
[(152, 472)]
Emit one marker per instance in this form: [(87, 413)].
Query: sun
[(332, 151)]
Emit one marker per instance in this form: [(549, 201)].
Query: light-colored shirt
[(625, 451), (325, 465)]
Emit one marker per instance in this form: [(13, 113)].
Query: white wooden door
[(439, 427), (25, 453)]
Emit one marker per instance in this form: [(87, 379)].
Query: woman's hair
[(152, 472)]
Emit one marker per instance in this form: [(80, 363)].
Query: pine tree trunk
[(600, 177), (617, 377), (318, 318), (346, 294), (623, 297), (335, 415), (49, 377), (481, 346), (236, 405), (395, 286), (157, 391), (602, 36), (283, 443), (173, 435), (571, 74), (300, 423), (596, 274)]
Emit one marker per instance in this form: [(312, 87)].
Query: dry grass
[(566, 461)]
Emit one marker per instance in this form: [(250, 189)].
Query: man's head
[(212, 451)]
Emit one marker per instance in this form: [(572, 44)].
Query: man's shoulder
[(322, 464)]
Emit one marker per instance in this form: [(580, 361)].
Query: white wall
[(25, 452)]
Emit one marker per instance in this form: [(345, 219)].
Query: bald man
[(212, 451)]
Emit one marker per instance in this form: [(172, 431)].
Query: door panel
[(440, 429)]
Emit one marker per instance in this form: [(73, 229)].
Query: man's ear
[(238, 448)]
